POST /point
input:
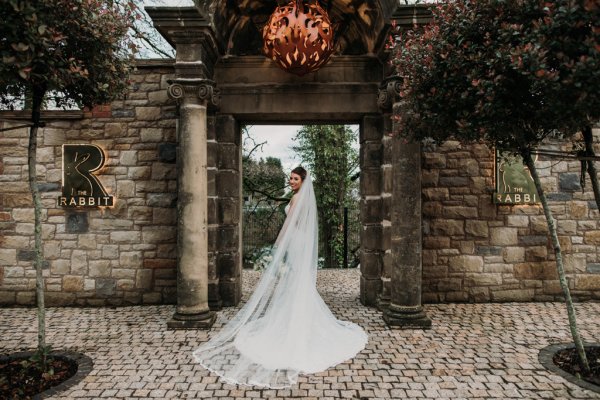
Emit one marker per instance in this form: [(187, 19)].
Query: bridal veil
[(285, 328)]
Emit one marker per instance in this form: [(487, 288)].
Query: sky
[(278, 143)]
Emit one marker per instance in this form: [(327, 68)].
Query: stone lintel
[(259, 70), (347, 102)]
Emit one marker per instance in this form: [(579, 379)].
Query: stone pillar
[(197, 51), (405, 309), (193, 96), (371, 209), (229, 214), (385, 101), (214, 298)]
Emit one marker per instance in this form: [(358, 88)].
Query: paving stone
[(472, 351)]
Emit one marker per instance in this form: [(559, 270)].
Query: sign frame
[(80, 185), (513, 181)]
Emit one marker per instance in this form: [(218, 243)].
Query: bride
[(285, 328)]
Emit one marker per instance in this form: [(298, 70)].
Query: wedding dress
[(285, 328)]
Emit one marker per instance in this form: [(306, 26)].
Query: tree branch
[(147, 40), (251, 187)]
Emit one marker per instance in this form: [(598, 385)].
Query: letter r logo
[(80, 161)]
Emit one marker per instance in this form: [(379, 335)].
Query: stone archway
[(217, 90), (254, 90)]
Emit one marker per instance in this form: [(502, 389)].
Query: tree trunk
[(591, 168), (38, 96), (559, 262)]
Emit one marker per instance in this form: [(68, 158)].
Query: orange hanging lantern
[(299, 37)]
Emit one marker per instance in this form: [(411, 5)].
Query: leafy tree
[(567, 62), (263, 184), (508, 73), (327, 151), (76, 50), (264, 179)]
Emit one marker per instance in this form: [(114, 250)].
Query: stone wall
[(474, 250), (112, 256)]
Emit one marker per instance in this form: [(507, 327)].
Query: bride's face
[(295, 182)]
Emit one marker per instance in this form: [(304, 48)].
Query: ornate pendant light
[(299, 37)]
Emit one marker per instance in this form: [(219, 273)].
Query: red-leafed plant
[(77, 51), (509, 73)]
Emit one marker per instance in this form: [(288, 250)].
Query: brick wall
[(474, 250), (120, 255)]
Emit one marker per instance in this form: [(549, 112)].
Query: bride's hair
[(300, 171)]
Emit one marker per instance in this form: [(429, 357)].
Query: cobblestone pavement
[(472, 351)]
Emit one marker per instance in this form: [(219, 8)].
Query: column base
[(203, 320), (406, 317)]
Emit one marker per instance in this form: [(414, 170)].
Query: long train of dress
[(285, 328)]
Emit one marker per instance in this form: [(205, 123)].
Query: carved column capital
[(389, 93), (194, 91)]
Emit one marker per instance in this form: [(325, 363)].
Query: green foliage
[(509, 72), (78, 48), (259, 258), (264, 179), (261, 225), (328, 153), (263, 185)]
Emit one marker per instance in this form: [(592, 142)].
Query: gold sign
[(514, 184), (80, 187)]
